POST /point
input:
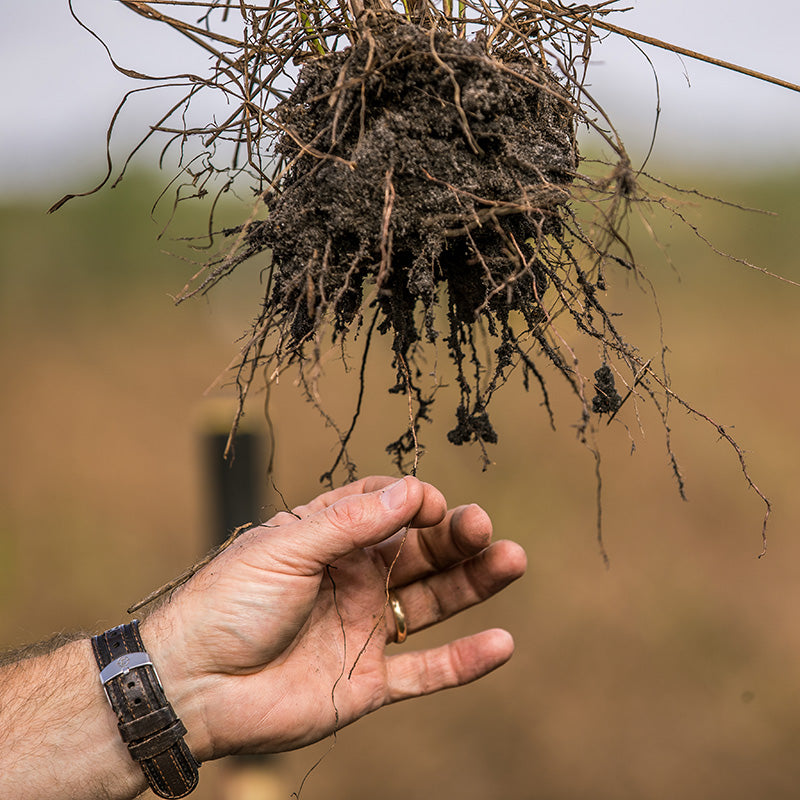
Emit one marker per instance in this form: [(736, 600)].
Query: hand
[(282, 638)]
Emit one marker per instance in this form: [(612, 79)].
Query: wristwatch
[(147, 722)]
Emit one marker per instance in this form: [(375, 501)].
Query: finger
[(412, 555), (352, 522), (459, 662), (440, 596), (372, 484), (363, 486)]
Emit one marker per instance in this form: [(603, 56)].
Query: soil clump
[(416, 165)]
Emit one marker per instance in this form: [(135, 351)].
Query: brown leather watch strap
[(147, 722)]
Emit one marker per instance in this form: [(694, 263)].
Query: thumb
[(357, 521)]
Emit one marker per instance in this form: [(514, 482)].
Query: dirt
[(606, 399), (421, 167)]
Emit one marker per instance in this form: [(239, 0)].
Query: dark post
[(236, 486)]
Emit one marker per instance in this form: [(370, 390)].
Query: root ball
[(417, 163)]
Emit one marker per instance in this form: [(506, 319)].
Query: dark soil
[(421, 167), (606, 399)]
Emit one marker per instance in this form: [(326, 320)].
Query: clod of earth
[(426, 169), (606, 399)]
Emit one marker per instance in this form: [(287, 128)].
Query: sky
[(59, 89)]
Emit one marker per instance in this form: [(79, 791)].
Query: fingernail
[(394, 496)]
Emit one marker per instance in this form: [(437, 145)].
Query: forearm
[(58, 734)]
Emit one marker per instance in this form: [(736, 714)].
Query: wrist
[(146, 720), (120, 775), (184, 689)]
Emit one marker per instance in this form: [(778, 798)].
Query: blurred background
[(675, 672)]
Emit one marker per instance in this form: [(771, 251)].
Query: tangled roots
[(420, 166)]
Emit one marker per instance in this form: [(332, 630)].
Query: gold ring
[(401, 630)]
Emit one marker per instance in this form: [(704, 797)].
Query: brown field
[(675, 673)]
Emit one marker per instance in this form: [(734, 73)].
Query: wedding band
[(401, 631)]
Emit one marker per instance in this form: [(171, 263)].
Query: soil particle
[(606, 400)]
